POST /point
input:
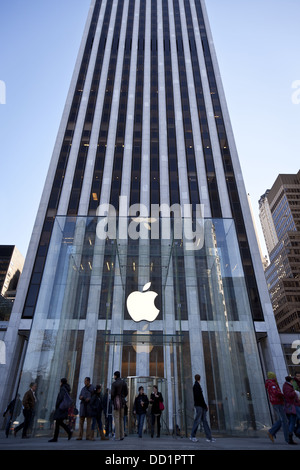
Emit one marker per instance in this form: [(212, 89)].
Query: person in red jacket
[(276, 398)]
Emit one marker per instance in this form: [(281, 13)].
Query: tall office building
[(11, 265), (143, 257), (267, 223), (282, 234)]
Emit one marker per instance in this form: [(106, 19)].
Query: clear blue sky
[(257, 43)]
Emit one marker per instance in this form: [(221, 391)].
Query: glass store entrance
[(147, 383), (160, 356)]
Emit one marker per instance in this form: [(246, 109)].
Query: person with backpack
[(63, 403), (276, 398)]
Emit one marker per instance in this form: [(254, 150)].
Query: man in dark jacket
[(29, 402), (85, 409), (201, 410), (140, 406), (119, 391)]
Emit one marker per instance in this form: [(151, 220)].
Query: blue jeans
[(281, 421), (141, 419), (8, 423), (96, 422), (201, 416), (292, 423)]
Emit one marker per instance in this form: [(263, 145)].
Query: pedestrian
[(276, 399), (291, 402), (119, 392), (107, 408), (29, 403), (201, 410), (140, 406), (85, 411), (156, 399), (13, 410), (296, 385), (296, 382), (63, 403), (97, 408)]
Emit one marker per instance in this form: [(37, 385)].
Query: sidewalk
[(133, 443)]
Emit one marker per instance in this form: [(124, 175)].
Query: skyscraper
[(281, 231), (143, 257)]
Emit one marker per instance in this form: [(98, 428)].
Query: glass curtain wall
[(204, 324)]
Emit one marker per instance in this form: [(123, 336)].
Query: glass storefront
[(189, 314)]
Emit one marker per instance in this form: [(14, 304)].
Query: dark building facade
[(283, 272)]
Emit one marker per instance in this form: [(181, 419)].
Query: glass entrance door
[(147, 383)]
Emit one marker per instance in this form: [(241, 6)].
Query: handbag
[(66, 402), (161, 406)]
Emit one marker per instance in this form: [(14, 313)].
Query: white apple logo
[(140, 305)]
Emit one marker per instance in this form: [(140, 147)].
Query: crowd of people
[(113, 407), (286, 406), (94, 406)]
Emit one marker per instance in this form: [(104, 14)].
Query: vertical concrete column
[(196, 347), (220, 176), (91, 322)]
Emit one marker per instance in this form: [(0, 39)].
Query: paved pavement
[(179, 445)]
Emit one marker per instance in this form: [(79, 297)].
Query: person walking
[(97, 408), (201, 410), (13, 410), (85, 412), (276, 399), (140, 406), (119, 391), (63, 403), (291, 402), (29, 403), (156, 399), (296, 384)]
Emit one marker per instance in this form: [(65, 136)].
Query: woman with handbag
[(63, 403), (291, 401), (156, 399)]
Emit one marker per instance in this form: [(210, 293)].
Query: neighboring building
[(267, 223), (11, 266), (283, 273), (145, 123)]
